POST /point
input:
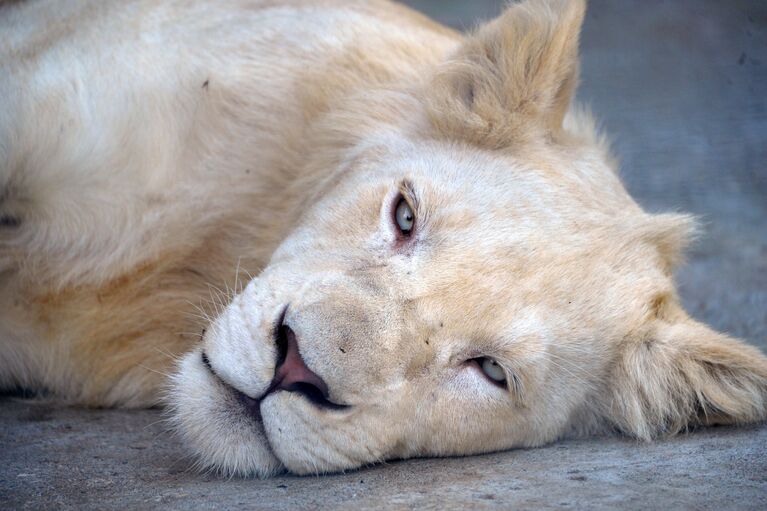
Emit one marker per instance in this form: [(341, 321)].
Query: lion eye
[(404, 217), (492, 370)]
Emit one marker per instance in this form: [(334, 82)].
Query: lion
[(328, 233)]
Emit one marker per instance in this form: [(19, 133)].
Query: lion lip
[(253, 405), (250, 404)]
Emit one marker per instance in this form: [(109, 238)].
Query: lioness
[(348, 234)]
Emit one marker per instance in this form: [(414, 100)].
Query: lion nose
[(291, 373)]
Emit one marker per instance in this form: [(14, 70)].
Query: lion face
[(478, 329), (449, 294)]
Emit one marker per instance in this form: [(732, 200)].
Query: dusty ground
[(682, 88), (72, 459)]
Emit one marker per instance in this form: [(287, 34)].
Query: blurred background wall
[(681, 89)]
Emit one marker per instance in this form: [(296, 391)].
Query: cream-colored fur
[(163, 163)]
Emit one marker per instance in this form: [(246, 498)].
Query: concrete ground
[(682, 89), (74, 459)]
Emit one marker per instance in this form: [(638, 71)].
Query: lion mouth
[(252, 406), (291, 374)]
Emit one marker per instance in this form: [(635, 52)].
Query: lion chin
[(396, 240), (225, 433)]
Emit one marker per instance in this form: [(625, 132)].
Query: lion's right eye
[(404, 217)]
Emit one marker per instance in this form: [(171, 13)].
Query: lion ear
[(513, 78), (685, 374)]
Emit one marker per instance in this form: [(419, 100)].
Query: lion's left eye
[(404, 217), (492, 370)]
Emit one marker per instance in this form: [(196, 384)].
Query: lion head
[(472, 276)]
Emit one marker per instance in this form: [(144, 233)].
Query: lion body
[(190, 188), (159, 165)]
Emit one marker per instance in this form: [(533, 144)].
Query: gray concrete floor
[(75, 459), (682, 89)]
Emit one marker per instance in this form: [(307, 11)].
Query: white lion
[(440, 258)]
